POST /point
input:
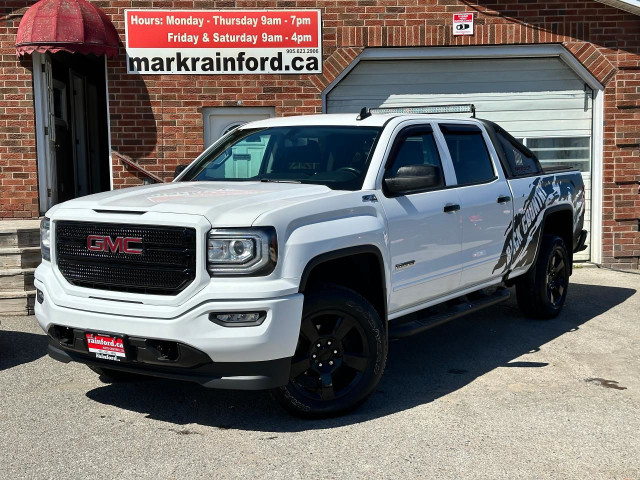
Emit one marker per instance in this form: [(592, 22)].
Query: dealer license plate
[(106, 347)]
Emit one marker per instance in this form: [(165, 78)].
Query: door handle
[(451, 207), (504, 199)]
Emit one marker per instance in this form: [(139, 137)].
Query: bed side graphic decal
[(521, 241)]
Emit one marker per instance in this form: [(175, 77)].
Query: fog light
[(238, 319), (39, 296)]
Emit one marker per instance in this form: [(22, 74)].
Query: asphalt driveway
[(489, 396)]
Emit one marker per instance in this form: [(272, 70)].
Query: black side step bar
[(426, 319)]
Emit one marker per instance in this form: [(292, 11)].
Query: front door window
[(424, 239)]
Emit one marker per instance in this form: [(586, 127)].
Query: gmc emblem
[(104, 243)]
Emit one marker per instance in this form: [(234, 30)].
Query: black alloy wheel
[(542, 291), (340, 355), (332, 354), (556, 273)]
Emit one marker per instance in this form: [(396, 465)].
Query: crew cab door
[(485, 199), (423, 225)]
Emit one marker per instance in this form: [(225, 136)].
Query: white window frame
[(525, 142)]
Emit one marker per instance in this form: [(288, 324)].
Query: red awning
[(66, 25)]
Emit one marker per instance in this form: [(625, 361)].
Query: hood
[(222, 203)]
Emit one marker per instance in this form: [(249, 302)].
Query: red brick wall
[(18, 170), (621, 215), (157, 120)]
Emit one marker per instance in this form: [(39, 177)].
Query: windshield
[(335, 156)]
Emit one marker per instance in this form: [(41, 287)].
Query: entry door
[(79, 134), (46, 99), (424, 239), (93, 141), (486, 203)]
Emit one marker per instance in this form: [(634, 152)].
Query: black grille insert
[(166, 266)]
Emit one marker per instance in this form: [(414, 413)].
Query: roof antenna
[(364, 113)]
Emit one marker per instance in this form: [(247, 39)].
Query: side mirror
[(414, 178), (179, 169)]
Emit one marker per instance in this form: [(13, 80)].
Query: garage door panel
[(514, 103), (532, 100), (451, 86), (543, 128), (515, 75), (537, 65), (547, 110), (540, 100), (483, 81), (558, 116)]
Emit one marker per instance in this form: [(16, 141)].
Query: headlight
[(45, 238), (250, 251)]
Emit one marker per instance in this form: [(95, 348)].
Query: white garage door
[(538, 100)]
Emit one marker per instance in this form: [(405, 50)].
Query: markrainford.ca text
[(219, 63)]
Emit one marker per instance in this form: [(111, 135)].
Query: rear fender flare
[(534, 253)]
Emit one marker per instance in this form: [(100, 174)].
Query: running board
[(425, 319)]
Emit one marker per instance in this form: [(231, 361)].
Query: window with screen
[(469, 154), (573, 152), (520, 161), (416, 149)]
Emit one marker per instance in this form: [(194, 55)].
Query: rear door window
[(469, 154), (520, 161)]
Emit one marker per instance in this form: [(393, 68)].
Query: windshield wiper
[(278, 180)]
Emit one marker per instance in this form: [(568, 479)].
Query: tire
[(348, 338), (114, 376), (542, 291)]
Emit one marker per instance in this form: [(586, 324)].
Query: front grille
[(166, 266)]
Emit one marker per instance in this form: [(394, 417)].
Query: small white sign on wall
[(463, 23)]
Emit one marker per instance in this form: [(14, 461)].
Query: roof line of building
[(631, 6)]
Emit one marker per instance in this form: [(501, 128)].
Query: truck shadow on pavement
[(419, 370), (17, 348)]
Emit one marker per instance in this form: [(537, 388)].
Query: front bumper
[(227, 375), (254, 357)]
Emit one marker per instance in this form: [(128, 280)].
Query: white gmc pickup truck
[(288, 253)]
